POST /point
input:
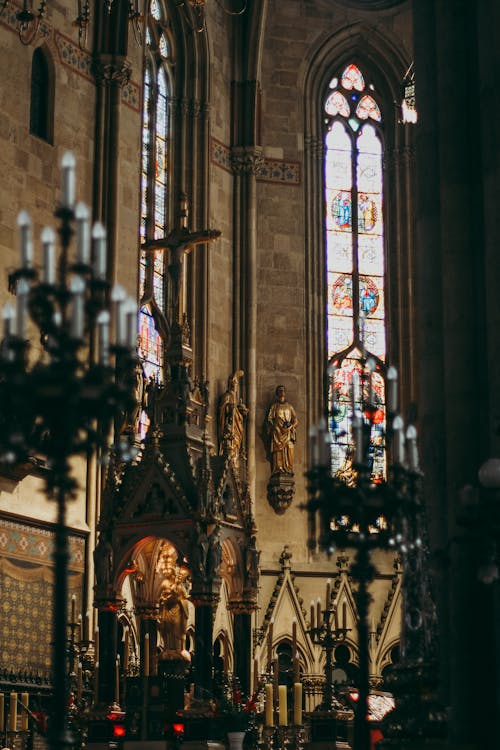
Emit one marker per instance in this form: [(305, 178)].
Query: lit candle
[(269, 708), (117, 679), (2, 712), (82, 216), (146, 655), (270, 643), (73, 608), (13, 712), (99, 251), (297, 703), (283, 709), (68, 163), (80, 626), (24, 715), (48, 239), (86, 630), (25, 241)]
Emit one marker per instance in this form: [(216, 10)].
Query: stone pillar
[(242, 646), (203, 648)]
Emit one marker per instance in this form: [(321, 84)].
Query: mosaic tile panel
[(73, 57), (19, 541)]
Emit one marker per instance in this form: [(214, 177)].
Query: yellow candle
[(269, 713), (13, 712), (2, 709), (146, 655), (297, 703), (283, 710), (24, 716)]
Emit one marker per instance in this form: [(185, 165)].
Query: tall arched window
[(41, 100), (155, 178), (356, 330)]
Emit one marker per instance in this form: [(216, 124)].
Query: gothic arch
[(42, 93), (386, 63)]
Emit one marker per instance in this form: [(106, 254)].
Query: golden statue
[(173, 605), (232, 415), (281, 426)]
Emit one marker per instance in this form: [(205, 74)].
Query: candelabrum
[(63, 397), (363, 506), (326, 632)]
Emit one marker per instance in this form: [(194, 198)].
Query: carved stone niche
[(280, 492)]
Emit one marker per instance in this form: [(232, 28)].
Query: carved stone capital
[(246, 159), (111, 69), (244, 606), (280, 492)]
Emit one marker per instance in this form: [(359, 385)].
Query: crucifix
[(179, 242)]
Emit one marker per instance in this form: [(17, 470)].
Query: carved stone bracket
[(110, 69), (246, 160), (280, 492)]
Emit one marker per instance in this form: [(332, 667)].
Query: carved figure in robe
[(232, 415), (214, 554), (199, 553), (103, 560), (174, 614), (252, 558), (281, 427)]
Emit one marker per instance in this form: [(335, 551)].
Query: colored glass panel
[(374, 337), (158, 277), (352, 78), (370, 254), (164, 46), (150, 344), (342, 295), (340, 208), (339, 251), (368, 107), (337, 104), (369, 296), (155, 10), (340, 333)]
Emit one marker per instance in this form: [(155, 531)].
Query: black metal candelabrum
[(326, 632), (358, 509), (62, 398)]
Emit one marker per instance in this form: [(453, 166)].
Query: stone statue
[(232, 415), (214, 554), (199, 553), (103, 561), (252, 558), (281, 428)]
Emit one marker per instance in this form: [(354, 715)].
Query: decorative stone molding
[(246, 160), (240, 160), (116, 70), (280, 492)]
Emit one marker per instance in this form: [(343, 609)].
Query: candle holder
[(65, 401)]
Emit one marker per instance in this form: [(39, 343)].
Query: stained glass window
[(155, 179), (356, 331)]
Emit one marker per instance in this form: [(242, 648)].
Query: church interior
[(250, 443)]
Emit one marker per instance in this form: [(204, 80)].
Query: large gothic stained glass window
[(155, 175), (356, 330)]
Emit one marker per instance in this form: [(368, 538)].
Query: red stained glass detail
[(337, 104), (342, 294), (352, 78), (368, 108)]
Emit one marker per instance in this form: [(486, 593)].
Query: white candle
[(82, 216), (283, 708), (297, 703), (25, 241), (269, 708), (412, 449), (99, 251), (48, 239), (68, 163), (103, 336), (129, 310), (392, 390), (22, 293), (77, 323), (399, 449)]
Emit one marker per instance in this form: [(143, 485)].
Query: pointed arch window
[(155, 181), (41, 99), (354, 228)]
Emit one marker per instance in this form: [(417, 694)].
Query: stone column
[(107, 621), (203, 648), (242, 645)]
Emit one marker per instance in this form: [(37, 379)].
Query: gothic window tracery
[(356, 327)]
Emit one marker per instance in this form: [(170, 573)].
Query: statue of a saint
[(252, 557), (103, 560), (214, 554), (199, 553), (232, 414), (281, 427), (174, 614)]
